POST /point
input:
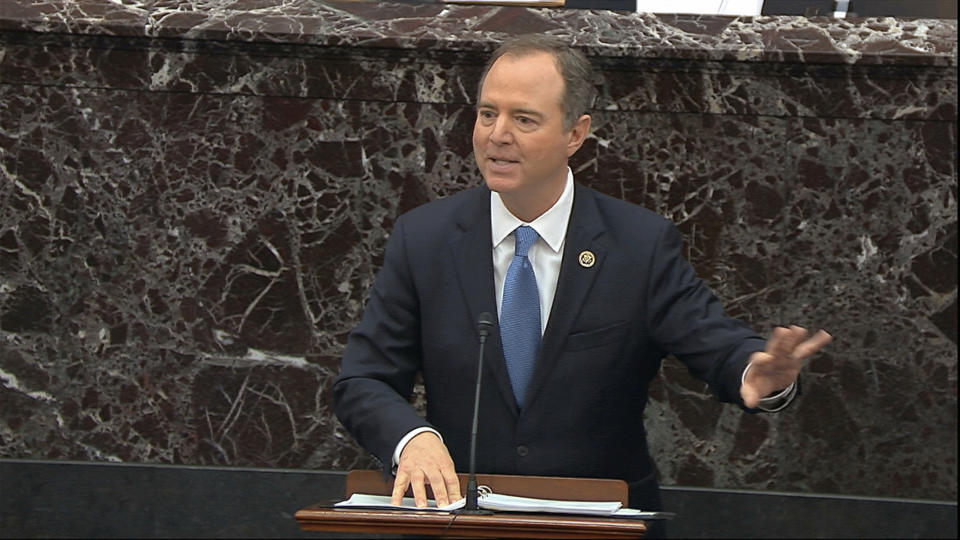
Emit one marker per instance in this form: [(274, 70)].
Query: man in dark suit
[(591, 293)]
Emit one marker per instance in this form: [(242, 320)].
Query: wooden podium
[(498, 525)]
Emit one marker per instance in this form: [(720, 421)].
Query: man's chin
[(499, 183)]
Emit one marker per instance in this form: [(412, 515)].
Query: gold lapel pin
[(587, 258)]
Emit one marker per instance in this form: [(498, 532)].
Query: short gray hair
[(578, 76)]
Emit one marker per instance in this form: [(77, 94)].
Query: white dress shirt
[(546, 252)]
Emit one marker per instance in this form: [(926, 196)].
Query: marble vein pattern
[(195, 195)]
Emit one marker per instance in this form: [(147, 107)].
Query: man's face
[(518, 138)]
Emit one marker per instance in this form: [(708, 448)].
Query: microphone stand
[(484, 325)]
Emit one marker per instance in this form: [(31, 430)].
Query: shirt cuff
[(406, 438), (776, 402)]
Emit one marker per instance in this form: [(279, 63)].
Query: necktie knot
[(525, 236)]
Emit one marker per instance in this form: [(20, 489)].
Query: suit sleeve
[(383, 354), (687, 320)]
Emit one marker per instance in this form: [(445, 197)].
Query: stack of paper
[(508, 503)]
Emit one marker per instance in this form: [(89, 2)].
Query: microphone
[(484, 326)]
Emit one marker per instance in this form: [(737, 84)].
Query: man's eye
[(525, 121)]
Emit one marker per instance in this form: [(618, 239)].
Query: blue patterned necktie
[(520, 315)]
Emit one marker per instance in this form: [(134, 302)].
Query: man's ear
[(578, 134)]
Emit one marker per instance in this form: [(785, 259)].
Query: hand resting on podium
[(425, 460)]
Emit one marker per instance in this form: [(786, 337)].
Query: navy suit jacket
[(610, 326)]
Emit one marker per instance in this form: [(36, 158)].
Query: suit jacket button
[(522, 451)]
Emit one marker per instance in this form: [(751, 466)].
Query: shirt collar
[(551, 225)]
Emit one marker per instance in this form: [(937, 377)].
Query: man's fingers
[(809, 347), (449, 485), (419, 489), (439, 487), (793, 337), (778, 344), (453, 488), (750, 396), (793, 342), (400, 485)]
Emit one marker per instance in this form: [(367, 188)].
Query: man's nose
[(502, 131)]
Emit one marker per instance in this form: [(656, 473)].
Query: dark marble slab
[(195, 196), (419, 26), (43, 499)]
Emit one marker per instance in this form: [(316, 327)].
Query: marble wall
[(196, 194)]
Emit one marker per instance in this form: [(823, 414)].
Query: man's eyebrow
[(520, 110), (527, 112)]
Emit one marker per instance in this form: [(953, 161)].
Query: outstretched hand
[(425, 460), (778, 365)]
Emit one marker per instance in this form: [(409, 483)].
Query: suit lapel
[(573, 284), (473, 259)]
